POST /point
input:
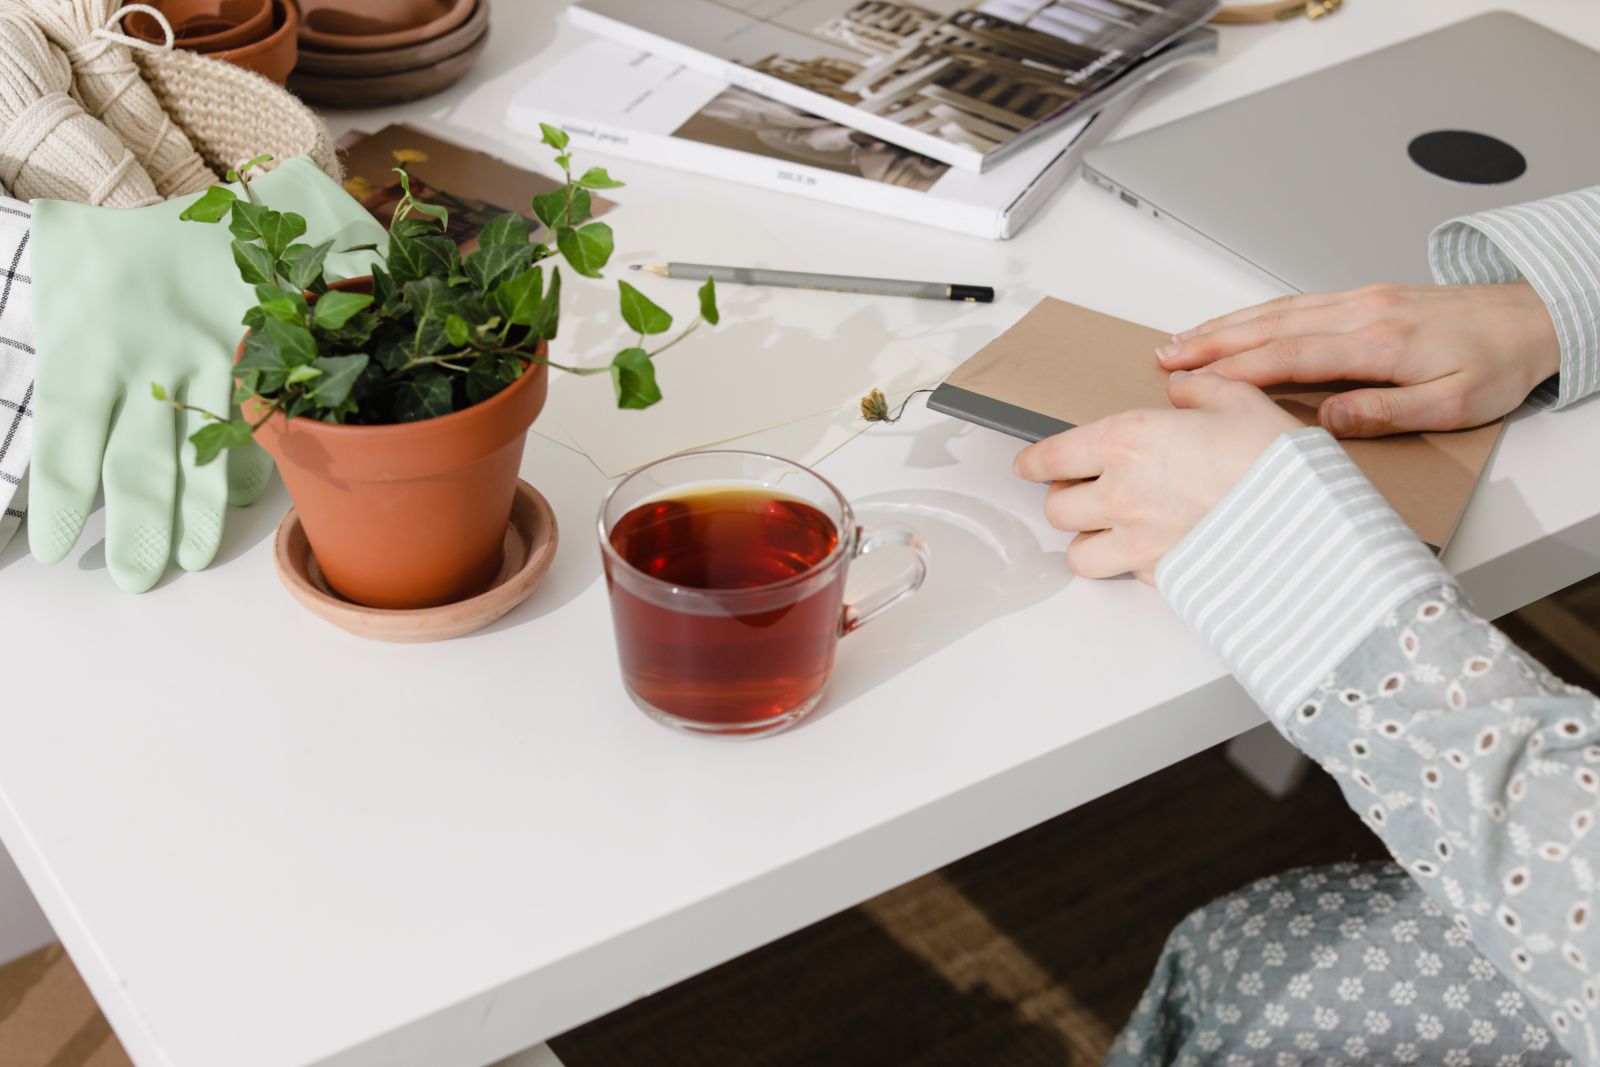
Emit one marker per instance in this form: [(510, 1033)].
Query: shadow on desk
[(17, 548), (986, 564)]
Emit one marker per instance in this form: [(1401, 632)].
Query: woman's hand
[(1461, 355), (1134, 484)]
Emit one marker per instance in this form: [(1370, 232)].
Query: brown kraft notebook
[(1063, 366)]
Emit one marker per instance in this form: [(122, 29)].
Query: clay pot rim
[(396, 430), (288, 28), (383, 63), (210, 42), (459, 12)]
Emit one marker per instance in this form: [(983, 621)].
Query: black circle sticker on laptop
[(1465, 156)]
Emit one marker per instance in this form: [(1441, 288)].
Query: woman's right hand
[(1451, 356)]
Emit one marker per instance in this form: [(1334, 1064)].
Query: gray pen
[(837, 283)]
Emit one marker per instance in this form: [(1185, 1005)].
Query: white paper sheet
[(778, 356)]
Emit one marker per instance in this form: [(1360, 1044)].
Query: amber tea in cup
[(727, 572)]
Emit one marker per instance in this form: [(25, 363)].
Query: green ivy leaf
[(304, 263), (384, 291), (708, 302), (157, 391), (597, 178), (587, 249), (338, 307), (356, 332), (261, 365), (233, 175), (491, 264), (213, 206), (412, 228), (249, 385), (635, 379), (294, 344), (553, 137), (507, 229), (430, 298), (393, 351), (424, 396), (490, 374), (302, 374), (339, 374), (413, 258), (276, 230), (281, 229), (549, 318), (519, 298), (254, 263), (641, 313), (260, 353), (280, 303), (246, 221), (552, 210), (212, 438), (457, 330)]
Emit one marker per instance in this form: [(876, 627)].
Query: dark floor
[(1031, 952)]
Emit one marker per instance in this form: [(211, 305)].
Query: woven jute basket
[(232, 115)]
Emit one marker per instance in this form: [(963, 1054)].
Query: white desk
[(268, 844)]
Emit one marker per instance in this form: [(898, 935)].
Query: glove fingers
[(141, 480), (69, 440), (249, 473), (202, 493)]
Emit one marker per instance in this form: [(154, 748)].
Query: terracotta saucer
[(374, 25), (530, 545), (385, 90), (395, 60)]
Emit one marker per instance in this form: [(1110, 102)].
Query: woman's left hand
[(1133, 485)]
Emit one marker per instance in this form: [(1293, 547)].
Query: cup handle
[(881, 600)]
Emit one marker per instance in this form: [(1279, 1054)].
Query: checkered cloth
[(16, 363)]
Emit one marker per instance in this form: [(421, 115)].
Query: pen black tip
[(981, 294)]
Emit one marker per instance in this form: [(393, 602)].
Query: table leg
[(539, 1056), (23, 927), (1264, 757)]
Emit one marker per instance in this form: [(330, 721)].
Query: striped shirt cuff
[(1555, 244), (1293, 569)]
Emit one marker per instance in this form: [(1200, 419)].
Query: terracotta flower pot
[(205, 25), (274, 55), (413, 514)]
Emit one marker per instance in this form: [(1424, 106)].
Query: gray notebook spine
[(995, 414)]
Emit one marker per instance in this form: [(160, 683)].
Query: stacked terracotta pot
[(259, 35), (373, 53)]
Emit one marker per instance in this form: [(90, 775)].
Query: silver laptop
[(1335, 179)]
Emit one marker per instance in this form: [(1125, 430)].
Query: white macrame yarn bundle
[(50, 146), (91, 115), (108, 83)]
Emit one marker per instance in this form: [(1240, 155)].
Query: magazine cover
[(965, 83), (620, 101), (473, 186)]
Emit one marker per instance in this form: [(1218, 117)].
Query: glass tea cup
[(726, 572)]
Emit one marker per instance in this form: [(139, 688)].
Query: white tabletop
[(269, 844)]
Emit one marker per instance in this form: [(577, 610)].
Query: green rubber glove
[(124, 298)]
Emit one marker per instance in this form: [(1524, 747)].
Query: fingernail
[(1339, 420), (1179, 375), (1166, 352)]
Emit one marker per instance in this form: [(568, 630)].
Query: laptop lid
[(1336, 179)]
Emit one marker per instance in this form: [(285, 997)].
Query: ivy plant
[(438, 332)]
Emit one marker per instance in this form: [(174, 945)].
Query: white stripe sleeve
[(1555, 244), (1294, 568)]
